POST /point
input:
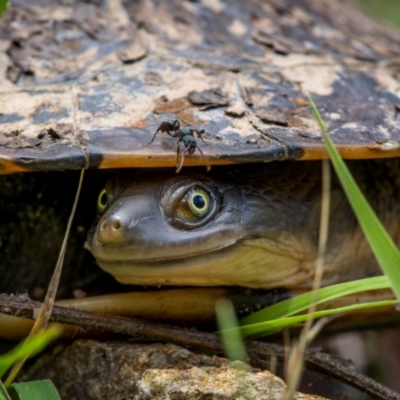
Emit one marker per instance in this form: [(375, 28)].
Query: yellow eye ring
[(102, 201), (199, 202)]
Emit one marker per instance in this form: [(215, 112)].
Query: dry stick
[(259, 352), (44, 314), (295, 363)]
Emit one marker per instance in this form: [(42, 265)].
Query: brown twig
[(259, 352)]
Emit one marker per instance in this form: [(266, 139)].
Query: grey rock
[(93, 370)]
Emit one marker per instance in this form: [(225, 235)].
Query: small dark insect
[(187, 140)]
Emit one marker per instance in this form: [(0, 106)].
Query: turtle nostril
[(103, 225), (116, 225)]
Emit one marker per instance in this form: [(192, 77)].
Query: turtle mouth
[(125, 254), (239, 264)]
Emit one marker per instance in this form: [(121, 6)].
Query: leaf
[(302, 302), (30, 347), (381, 243), (230, 331), (3, 392), (272, 326), (3, 6), (35, 390)]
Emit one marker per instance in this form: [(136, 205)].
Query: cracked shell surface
[(86, 85)]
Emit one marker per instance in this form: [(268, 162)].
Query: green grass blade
[(3, 6), (35, 390), (264, 328), (302, 302), (229, 330), (382, 245), (30, 347), (3, 392)]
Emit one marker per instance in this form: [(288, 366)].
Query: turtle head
[(196, 231)]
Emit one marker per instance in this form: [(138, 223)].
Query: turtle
[(248, 103), (88, 86)]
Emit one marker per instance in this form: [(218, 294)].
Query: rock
[(92, 370)]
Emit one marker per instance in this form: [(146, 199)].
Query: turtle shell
[(86, 85)]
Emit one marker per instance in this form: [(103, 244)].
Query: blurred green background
[(385, 9)]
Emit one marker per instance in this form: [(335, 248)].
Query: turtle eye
[(102, 202), (195, 205), (199, 202), (190, 202)]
